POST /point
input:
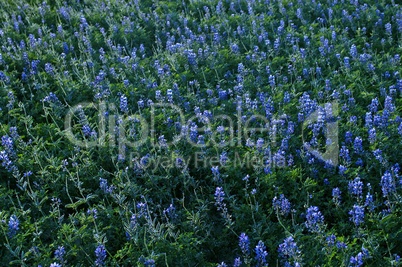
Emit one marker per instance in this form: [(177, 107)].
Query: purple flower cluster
[(100, 254), (358, 260), (13, 225), (59, 253), (315, 220), (261, 254), (289, 251), (356, 187), (244, 243), (281, 205), (104, 187), (387, 184), (357, 215)]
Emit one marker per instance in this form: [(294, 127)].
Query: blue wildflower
[(357, 214), (315, 220), (100, 253), (237, 262), (356, 187), (336, 196), (289, 250), (281, 205), (13, 225), (59, 253), (244, 243), (261, 253), (387, 184), (123, 103)]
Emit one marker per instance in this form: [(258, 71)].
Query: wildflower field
[(200, 133)]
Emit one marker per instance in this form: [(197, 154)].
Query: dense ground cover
[(198, 133)]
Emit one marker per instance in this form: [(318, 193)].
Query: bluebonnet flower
[(261, 253), (170, 212), (222, 94), (289, 250), (162, 141), (372, 135), (357, 145), (346, 62), (357, 214), (100, 253), (388, 28), (397, 258), (49, 69), (223, 158), (220, 129), (336, 196), (356, 187), (348, 137), (219, 194), (318, 71), (59, 253), (400, 129), (13, 225), (244, 243), (158, 95), (358, 260), (123, 103), (307, 105), (277, 43), (235, 48), (150, 263), (94, 212), (331, 240), (341, 245), (315, 220), (369, 202), (63, 11), (222, 264), (353, 119), (104, 187), (368, 120), (54, 264), (259, 144), (387, 184), (142, 207), (52, 98), (27, 174), (299, 14), (215, 172), (8, 144), (141, 103), (192, 58), (353, 51), (281, 205), (201, 140), (373, 106), (342, 170), (11, 100), (388, 105), (237, 262), (169, 95), (378, 155), (388, 210), (286, 97), (126, 83)]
